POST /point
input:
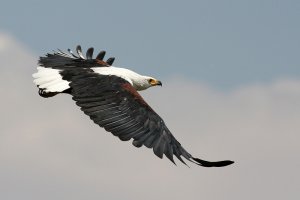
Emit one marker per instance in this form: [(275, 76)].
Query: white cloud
[(50, 150)]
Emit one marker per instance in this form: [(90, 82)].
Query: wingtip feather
[(101, 55), (205, 163)]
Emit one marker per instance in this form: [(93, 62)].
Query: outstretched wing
[(63, 60), (112, 103), (48, 79)]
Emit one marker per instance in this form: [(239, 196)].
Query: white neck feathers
[(138, 81)]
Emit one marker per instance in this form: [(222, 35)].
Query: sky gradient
[(231, 90), (222, 43)]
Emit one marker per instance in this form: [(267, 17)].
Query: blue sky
[(225, 44)]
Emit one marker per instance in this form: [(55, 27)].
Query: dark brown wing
[(112, 103), (62, 60)]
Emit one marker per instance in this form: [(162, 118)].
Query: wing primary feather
[(61, 53), (99, 109), (94, 98), (141, 137), (116, 129), (71, 52), (125, 123), (117, 122), (79, 51), (110, 119), (150, 141), (110, 61), (205, 163), (100, 104), (131, 133), (159, 147), (89, 53), (124, 128), (178, 154), (169, 152), (101, 55)]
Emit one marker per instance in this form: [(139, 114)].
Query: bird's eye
[(151, 81)]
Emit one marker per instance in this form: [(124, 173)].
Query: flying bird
[(109, 96)]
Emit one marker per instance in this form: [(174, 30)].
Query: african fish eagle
[(108, 95)]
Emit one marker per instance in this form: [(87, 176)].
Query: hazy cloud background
[(50, 150)]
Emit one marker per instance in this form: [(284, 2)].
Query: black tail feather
[(205, 163)]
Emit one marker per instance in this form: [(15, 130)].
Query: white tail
[(50, 80)]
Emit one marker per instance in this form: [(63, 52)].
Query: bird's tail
[(48, 78), (49, 82)]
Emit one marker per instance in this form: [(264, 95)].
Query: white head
[(139, 82)]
